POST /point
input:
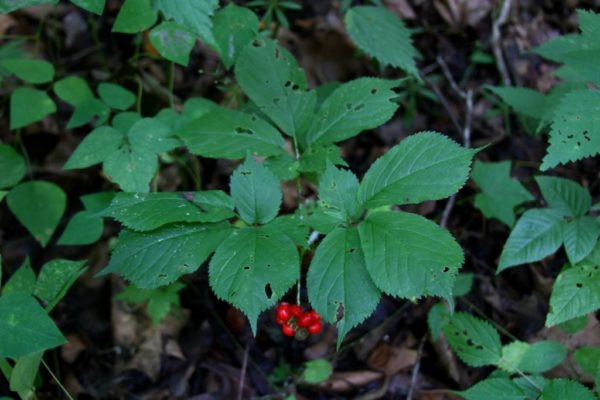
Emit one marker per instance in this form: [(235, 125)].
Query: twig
[(243, 374), (416, 368), (497, 41)]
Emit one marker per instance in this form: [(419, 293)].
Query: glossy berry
[(283, 314), (287, 330), (296, 310), (305, 320), (315, 328), (315, 317)]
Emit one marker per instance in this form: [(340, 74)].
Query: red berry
[(315, 316), (282, 306), (279, 321), (287, 330), (283, 314), (305, 320), (315, 328), (295, 310)]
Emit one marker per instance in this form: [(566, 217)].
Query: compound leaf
[(475, 341), (338, 190), (561, 389), (564, 195), (581, 235), (194, 15)]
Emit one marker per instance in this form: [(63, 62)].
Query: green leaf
[(39, 206), (195, 108), (400, 177), (28, 106), (538, 233), (475, 341), (32, 71), (96, 147), (22, 281), (55, 279), (233, 28), (523, 101), (25, 326), (94, 6), (272, 79), (576, 292), (83, 228), (564, 195), (135, 16), (86, 111), (253, 268), (463, 284), (500, 193), (580, 236), (194, 15), (173, 41), (409, 256), (339, 286), (574, 325), (116, 96), (124, 121), (149, 135), (292, 226), (73, 90), (381, 34), (132, 170), (562, 389), (338, 193), (12, 165), (315, 159), (160, 301), (157, 258), (256, 192), (437, 317), (24, 372), (588, 359), (223, 133), (355, 106), (317, 371), (148, 211), (494, 389), (3, 194), (574, 134), (7, 6), (534, 358), (97, 202)]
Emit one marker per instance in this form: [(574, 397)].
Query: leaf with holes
[(194, 15), (339, 286), (224, 133), (424, 166), (157, 258), (12, 165), (409, 256), (233, 28), (475, 341), (565, 196), (253, 268), (173, 41)]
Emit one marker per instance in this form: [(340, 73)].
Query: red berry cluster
[(294, 321)]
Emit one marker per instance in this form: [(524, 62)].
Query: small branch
[(416, 368), (243, 374), (497, 42)]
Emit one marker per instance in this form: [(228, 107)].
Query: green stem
[(171, 76), (5, 368), (24, 152), (60, 385), (140, 92)]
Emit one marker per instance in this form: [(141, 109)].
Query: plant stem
[(5, 368), (60, 385)]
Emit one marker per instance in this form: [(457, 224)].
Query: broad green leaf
[(500, 193), (256, 192), (494, 389), (580, 236), (173, 41), (55, 279), (73, 90), (538, 233), (94, 6), (97, 202), (355, 106), (132, 170), (253, 268), (576, 292), (12, 165), (574, 325), (39, 206), (22, 281), (317, 371), (96, 147), (25, 326), (475, 341), (338, 193), (32, 71), (284, 166), (7, 6), (149, 135), (424, 166), (315, 159), (24, 372), (564, 195), (523, 101), (159, 301), (148, 211), (194, 15), (534, 358), (563, 389), (272, 79), (124, 121), (195, 108), (409, 256), (437, 317), (292, 226), (135, 16), (339, 286), (588, 359), (83, 228), (574, 132), (28, 106), (116, 96), (3, 194), (381, 34), (224, 133), (233, 28), (86, 111), (152, 259)]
